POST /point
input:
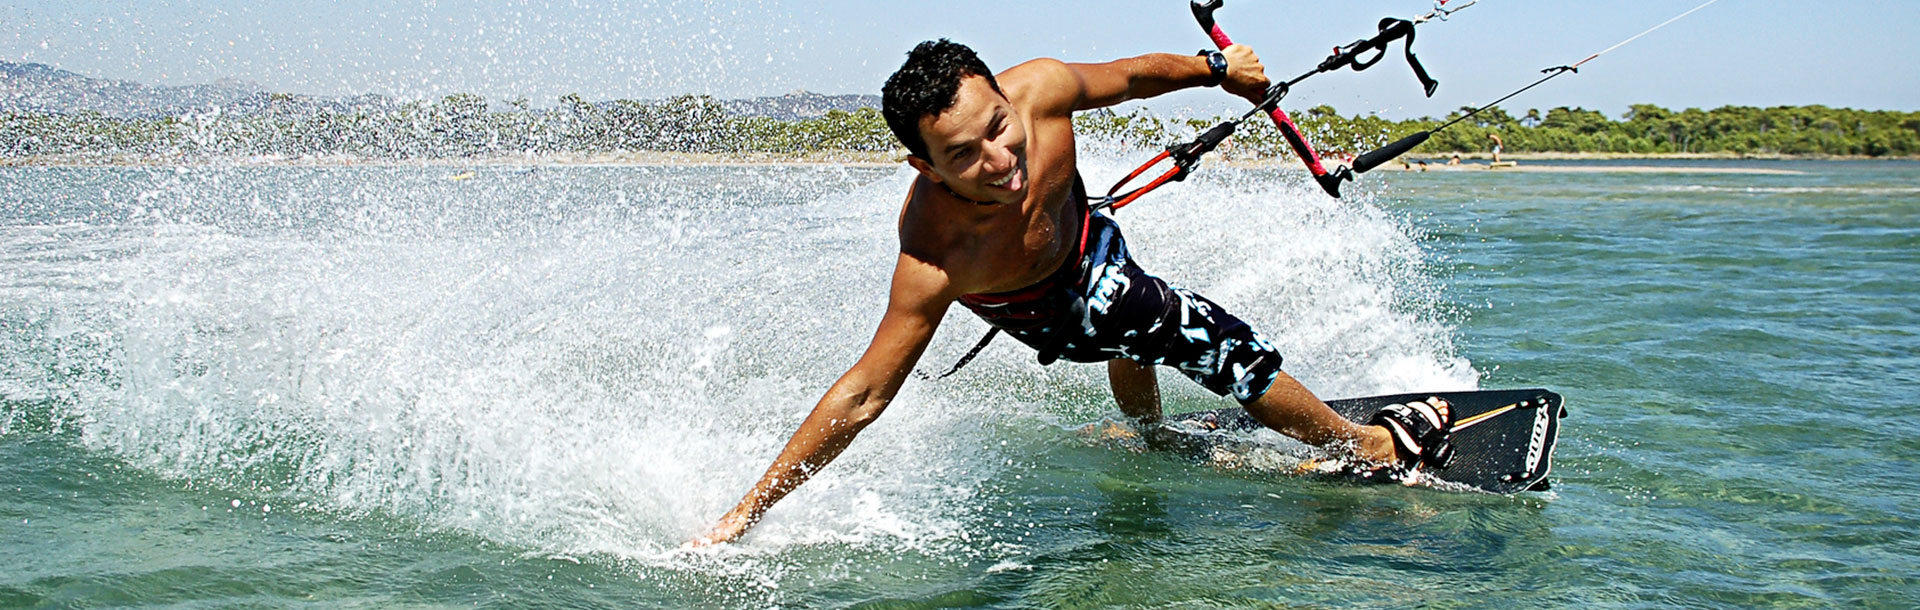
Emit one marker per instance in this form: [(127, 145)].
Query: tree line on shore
[(1646, 130), (466, 125)]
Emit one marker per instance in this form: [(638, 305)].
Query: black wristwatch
[(1217, 62)]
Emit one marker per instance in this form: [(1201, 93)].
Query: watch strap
[(1217, 63)]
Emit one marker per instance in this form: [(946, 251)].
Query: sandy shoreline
[(1588, 169), (624, 158), (1469, 162)]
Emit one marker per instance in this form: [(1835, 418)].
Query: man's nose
[(999, 158)]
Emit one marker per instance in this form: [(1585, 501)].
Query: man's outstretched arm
[(914, 310), (1064, 88)]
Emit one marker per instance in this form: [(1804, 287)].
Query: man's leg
[(1290, 409), (1211, 347), (1136, 389)]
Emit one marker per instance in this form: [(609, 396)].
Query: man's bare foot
[(1376, 447), (1109, 430)]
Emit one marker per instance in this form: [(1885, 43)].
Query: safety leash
[(977, 347)]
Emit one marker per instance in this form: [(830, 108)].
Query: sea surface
[(525, 387)]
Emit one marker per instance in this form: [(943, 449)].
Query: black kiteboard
[(1502, 439)]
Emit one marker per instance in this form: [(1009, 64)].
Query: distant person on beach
[(1496, 146), (1455, 160), (998, 221)]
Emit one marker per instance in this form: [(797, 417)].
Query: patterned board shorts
[(1118, 310)]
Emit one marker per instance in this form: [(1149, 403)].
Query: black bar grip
[(1331, 180), (1203, 12), (1377, 157), (1211, 139)]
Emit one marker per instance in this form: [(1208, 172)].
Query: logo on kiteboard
[(1536, 445)]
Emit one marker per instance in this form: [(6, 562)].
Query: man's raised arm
[(1067, 87)]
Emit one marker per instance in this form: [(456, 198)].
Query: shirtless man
[(998, 221)]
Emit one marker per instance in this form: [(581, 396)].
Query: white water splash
[(596, 363)]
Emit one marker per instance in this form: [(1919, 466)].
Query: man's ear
[(925, 168)]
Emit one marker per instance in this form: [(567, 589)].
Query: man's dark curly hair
[(926, 86)]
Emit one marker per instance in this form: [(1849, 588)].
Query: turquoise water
[(381, 387)]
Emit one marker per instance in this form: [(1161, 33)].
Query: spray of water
[(601, 360)]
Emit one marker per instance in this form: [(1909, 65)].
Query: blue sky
[(1851, 53)]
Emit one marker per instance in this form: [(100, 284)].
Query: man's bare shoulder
[(917, 235), (1043, 85), (923, 275), (920, 230)]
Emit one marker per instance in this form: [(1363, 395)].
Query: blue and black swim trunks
[(1103, 307)]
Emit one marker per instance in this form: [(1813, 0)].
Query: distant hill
[(42, 88), (799, 105)]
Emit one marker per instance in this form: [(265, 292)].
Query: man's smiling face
[(979, 145)]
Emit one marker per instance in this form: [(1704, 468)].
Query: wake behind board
[(1502, 439)]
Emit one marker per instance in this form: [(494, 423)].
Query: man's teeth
[(1002, 181)]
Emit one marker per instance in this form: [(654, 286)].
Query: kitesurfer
[(998, 221)]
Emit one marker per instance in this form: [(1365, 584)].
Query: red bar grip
[(1219, 37), (1203, 12)]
